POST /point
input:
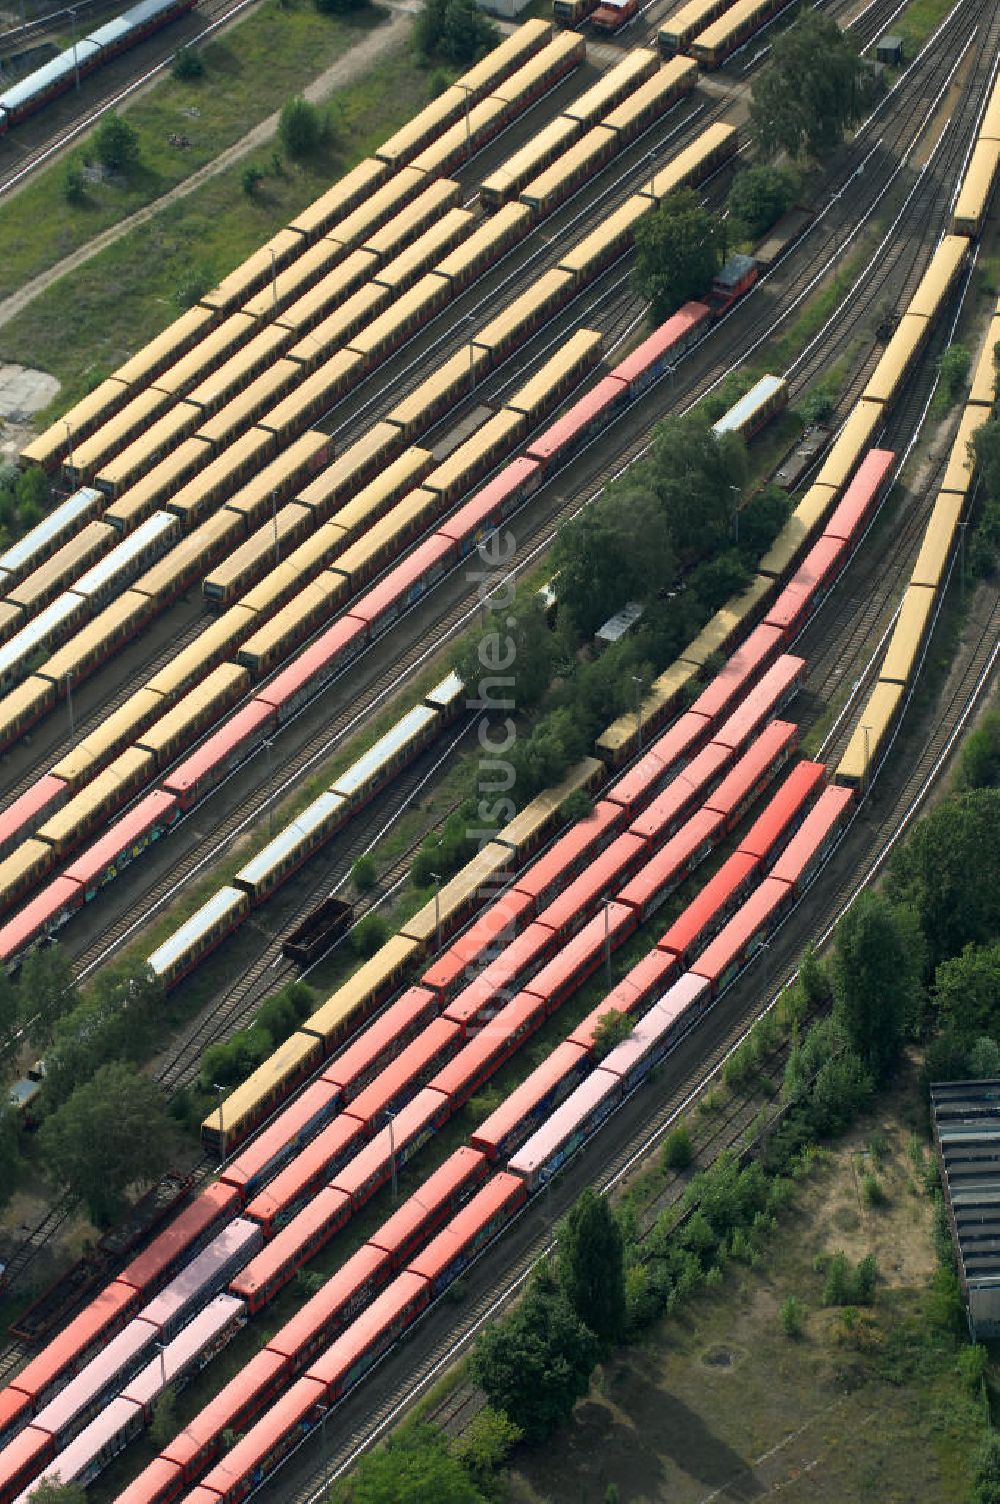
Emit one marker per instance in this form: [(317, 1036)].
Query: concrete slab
[(24, 391)]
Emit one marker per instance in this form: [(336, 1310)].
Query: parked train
[(86, 55)]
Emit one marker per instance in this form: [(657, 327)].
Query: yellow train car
[(566, 51), (486, 246), (357, 268), (116, 732), (83, 419), (12, 619), (84, 460), (653, 99), (235, 374), (984, 380), (463, 140), (400, 476), (525, 314), (989, 130), (476, 883), (267, 547), (22, 706), (115, 626), (620, 740), (503, 60), (799, 531), (432, 121), (577, 165), (576, 358), (313, 397), (897, 359), (854, 437), (467, 464), (258, 497), (402, 318), (173, 731), (939, 539), (428, 249), (212, 351), (165, 348), (351, 470), (191, 557), (685, 24), (526, 164), (212, 646), (376, 208), (946, 266), (871, 736), (542, 816), (437, 393), (611, 239), (973, 203), (385, 539), (961, 461), (157, 442), (716, 144), (358, 997), (912, 625), (318, 218), (247, 407), (93, 805), (251, 1102), (252, 274), (612, 87), (66, 565), (413, 219), (152, 492), (722, 36), (315, 604), (221, 477), (333, 334), (23, 870), (315, 262)]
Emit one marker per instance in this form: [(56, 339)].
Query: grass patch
[(917, 23), (91, 320), (249, 72)]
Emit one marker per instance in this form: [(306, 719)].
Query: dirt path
[(371, 50)]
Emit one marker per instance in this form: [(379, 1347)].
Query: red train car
[(403, 1076), (605, 874), (667, 757), (480, 944), (498, 499), (587, 417), (785, 811), (311, 1168), (441, 1194), (580, 957), (322, 660), (670, 809), (673, 864), (709, 910), (283, 1136), (127, 839), (224, 750), (502, 977), (531, 1102), (739, 671), (742, 936), (454, 1248), (759, 764), (568, 856), (381, 1041), (817, 835), (775, 689), (486, 1051), (859, 500), (22, 818)]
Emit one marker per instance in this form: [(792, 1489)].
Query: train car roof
[(211, 912)]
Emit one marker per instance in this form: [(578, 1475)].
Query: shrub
[(677, 1151), (301, 127), (364, 873), (791, 1317), (188, 64), (367, 936), (872, 1190), (251, 180), (117, 144), (74, 183)]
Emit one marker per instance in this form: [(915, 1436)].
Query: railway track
[(5, 1368)]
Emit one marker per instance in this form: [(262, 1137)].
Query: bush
[(369, 935), (759, 196), (188, 65), (791, 1317), (74, 183), (845, 1286), (364, 874), (972, 1364), (251, 180), (302, 128), (953, 369), (677, 1152), (117, 145), (872, 1191)]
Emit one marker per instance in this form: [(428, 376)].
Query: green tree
[(10, 1016), (592, 1267), (414, 1467), (679, 249), (114, 1022), (485, 1444), (953, 369), (301, 127), (946, 872), (32, 489), (810, 91), (612, 1029), (369, 934), (455, 31), (875, 981), (47, 989), (111, 1133), (52, 1491), (986, 443), (10, 1162), (618, 550), (163, 1427), (967, 991), (677, 1150), (364, 873), (979, 761), (986, 1480), (536, 1363), (251, 180), (791, 1317), (759, 196), (188, 64), (117, 144), (698, 479)]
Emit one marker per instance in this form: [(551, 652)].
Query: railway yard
[(226, 673)]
